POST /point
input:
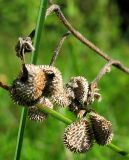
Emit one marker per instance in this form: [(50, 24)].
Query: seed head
[(35, 114), (102, 129), (78, 136), (79, 86), (54, 86), (27, 88), (75, 107)]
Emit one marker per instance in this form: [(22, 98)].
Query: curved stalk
[(68, 121)]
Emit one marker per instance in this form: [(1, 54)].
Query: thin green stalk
[(39, 28), (118, 150), (69, 121), (37, 38), (20, 134), (55, 114)]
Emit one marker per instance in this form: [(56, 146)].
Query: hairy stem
[(68, 121), (37, 38)]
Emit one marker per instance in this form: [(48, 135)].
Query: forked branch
[(84, 40), (104, 70)]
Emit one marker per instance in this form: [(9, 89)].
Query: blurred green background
[(104, 23)]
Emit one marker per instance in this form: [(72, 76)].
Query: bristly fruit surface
[(28, 87), (36, 114), (102, 129), (78, 136)]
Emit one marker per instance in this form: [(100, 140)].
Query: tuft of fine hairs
[(102, 129), (35, 114), (78, 136), (27, 88), (54, 86)]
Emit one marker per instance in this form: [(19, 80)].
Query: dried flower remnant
[(78, 136), (93, 94), (102, 129), (27, 89), (35, 114), (23, 46)]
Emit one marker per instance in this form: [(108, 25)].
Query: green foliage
[(99, 21)]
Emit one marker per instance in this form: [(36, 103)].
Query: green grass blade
[(39, 28)]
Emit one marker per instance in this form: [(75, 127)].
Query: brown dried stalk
[(58, 48), (84, 40), (104, 70), (4, 86)]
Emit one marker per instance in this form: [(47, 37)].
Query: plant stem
[(20, 134), (55, 114), (39, 27), (118, 150), (68, 121)]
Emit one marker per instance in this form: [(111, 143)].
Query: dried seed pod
[(28, 87), (35, 114), (102, 129), (78, 136), (54, 86), (79, 86), (24, 45)]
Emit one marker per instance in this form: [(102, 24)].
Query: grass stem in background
[(37, 38)]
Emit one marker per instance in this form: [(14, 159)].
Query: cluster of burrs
[(43, 85), (81, 134)]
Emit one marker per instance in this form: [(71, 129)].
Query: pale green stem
[(68, 121)]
